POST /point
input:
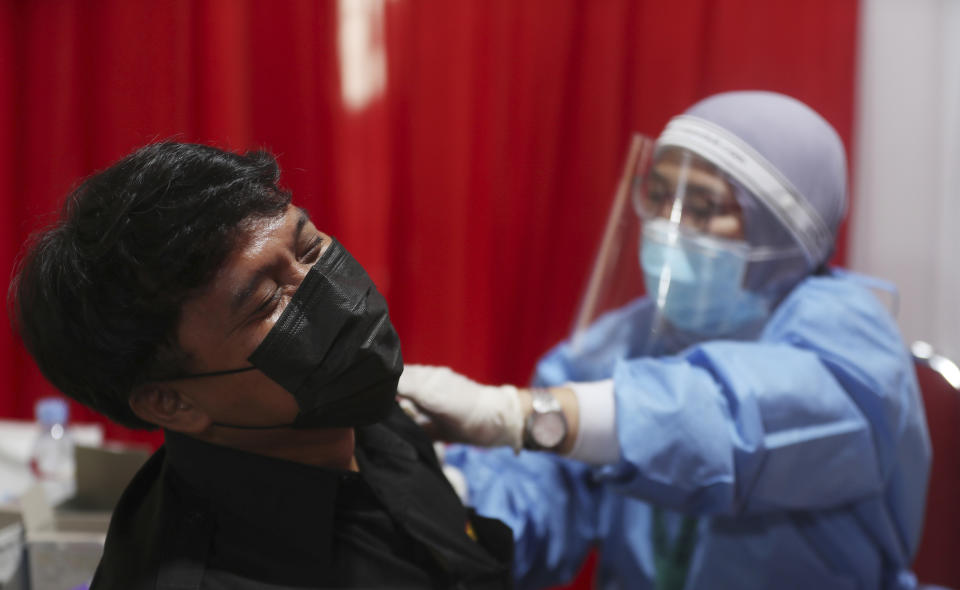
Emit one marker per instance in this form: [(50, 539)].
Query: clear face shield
[(695, 264)]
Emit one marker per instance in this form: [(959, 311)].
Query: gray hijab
[(794, 189)]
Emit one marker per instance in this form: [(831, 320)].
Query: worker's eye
[(700, 212), (698, 208), (656, 196)]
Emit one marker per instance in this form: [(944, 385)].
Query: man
[(757, 412), (180, 289)]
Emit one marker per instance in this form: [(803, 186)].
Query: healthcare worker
[(753, 422)]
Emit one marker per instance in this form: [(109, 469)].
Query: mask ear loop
[(218, 374), (885, 291), (203, 375), (243, 427)]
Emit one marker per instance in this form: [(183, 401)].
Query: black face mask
[(333, 348)]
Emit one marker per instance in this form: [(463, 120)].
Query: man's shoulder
[(151, 522), (401, 425)]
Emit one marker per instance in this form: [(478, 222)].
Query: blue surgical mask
[(697, 283)]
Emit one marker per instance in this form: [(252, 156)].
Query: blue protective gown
[(804, 454)]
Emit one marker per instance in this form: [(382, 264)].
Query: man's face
[(707, 202), (222, 326)]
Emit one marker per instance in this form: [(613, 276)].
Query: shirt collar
[(292, 500)]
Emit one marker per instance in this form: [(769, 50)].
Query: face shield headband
[(333, 348), (757, 175)]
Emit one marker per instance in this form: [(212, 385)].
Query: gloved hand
[(455, 408)]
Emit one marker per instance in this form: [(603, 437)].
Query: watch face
[(548, 430)]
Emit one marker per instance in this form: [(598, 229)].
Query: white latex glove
[(455, 408)]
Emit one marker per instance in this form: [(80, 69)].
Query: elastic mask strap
[(218, 374), (243, 427), (878, 286), (202, 375)]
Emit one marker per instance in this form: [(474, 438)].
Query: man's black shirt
[(202, 516)]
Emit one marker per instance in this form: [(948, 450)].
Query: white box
[(63, 546), (13, 570)]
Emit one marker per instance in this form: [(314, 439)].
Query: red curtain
[(473, 188)]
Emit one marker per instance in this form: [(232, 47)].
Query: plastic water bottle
[(52, 460)]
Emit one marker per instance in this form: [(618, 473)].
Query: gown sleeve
[(810, 416), (549, 502)]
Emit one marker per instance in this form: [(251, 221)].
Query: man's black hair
[(97, 295)]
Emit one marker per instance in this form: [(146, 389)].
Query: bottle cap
[(51, 410)]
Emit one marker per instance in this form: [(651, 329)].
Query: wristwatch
[(546, 427)]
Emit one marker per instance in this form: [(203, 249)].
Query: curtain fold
[(10, 235)]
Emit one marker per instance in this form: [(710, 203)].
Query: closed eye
[(266, 307), (312, 251)]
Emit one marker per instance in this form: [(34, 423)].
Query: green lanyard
[(672, 562)]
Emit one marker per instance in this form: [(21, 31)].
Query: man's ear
[(165, 407)]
